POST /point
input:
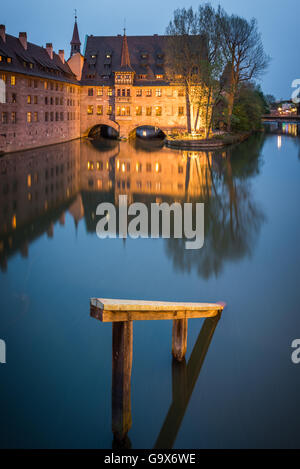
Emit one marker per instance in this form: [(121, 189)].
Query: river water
[(238, 386)]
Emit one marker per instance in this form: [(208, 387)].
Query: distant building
[(120, 82)]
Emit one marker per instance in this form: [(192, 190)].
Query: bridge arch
[(103, 129), (147, 132)]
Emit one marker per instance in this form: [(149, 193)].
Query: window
[(138, 111), (35, 99), (159, 77), (13, 117), (12, 80), (180, 169), (158, 111), (29, 83), (109, 110), (61, 116), (46, 116), (35, 82), (14, 98), (128, 92), (90, 92), (45, 85), (90, 109), (29, 99), (4, 117), (109, 92), (35, 117), (148, 167), (56, 100), (57, 116), (99, 110), (181, 110), (123, 92), (148, 92), (99, 91), (158, 92), (142, 77), (127, 110), (149, 111), (157, 167), (46, 100), (51, 100), (139, 92), (51, 116), (29, 117), (181, 92), (138, 167)]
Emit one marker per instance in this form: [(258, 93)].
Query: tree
[(185, 52), (244, 54), (249, 106)]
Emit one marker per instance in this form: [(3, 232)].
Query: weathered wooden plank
[(122, 339), (179, 338), (107, 304), (124, 316)]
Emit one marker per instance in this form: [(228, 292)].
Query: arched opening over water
[(101, 131), (148, 132)]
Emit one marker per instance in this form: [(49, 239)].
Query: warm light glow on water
[(58, 374)]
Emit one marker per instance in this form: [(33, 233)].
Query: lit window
[(109, 110), (181, 111), (148, 92), (35, 117), (159, 77), (90, 109), (29, 180), (181, 92), (138, 110), (109, 92), (158, 92), (12, 80), (29, 118), (158, 111), (148, 111), (139, 92), (99, 91), (13, 117), (157, 167), (138, 167), (99, 110)]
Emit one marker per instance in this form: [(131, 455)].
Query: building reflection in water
[(39, 186)]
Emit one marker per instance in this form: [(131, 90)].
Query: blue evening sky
[(52, 21)]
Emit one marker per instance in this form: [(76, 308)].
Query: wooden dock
[(122, 313)]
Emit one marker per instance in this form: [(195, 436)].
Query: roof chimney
[(61, 54), (49, 49), (23, 39), (2, 32)]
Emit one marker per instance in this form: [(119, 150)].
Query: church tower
[(75, 43)]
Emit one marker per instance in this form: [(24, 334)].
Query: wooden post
[(121, 378), (179, 338)]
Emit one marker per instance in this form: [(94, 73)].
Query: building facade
[(121, 82)]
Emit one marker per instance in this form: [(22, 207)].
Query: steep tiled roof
[(146, 57), (42, 65)]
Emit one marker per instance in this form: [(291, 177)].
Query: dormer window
[(144, 55), (93, 56), (108, 56)]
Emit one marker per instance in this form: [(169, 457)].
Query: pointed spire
[(125, 58), (75, 43)]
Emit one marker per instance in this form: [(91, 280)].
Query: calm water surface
[(242, 390)]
